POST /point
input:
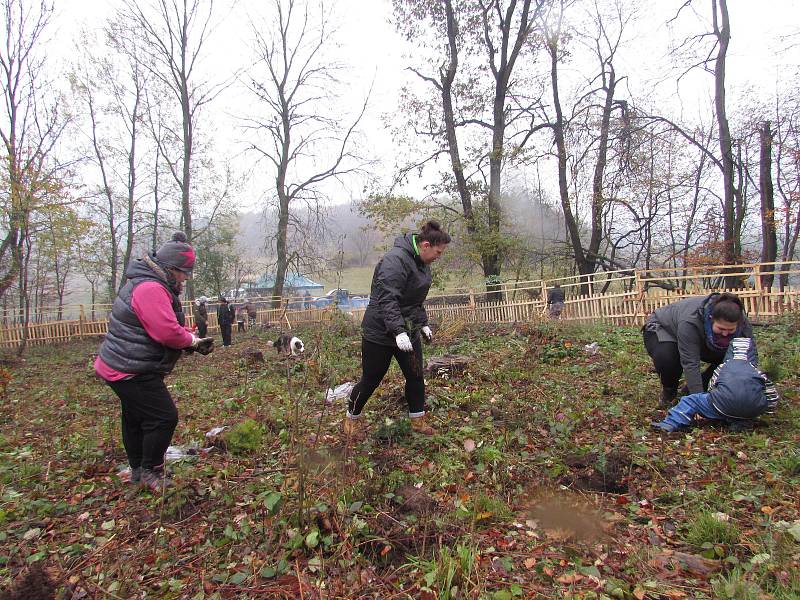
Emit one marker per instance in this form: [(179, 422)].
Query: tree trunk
[(447, 76), (722, 31), (186, 210), (584, 266), (599, 171), (769, 236)]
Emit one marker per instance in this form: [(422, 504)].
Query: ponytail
[(432, 233)]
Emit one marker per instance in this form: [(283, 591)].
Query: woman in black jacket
[(682, 334), (394, 323)]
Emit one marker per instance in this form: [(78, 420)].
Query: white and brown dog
[(288, 344)]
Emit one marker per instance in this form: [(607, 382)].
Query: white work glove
[(404, 343), (427, 333)]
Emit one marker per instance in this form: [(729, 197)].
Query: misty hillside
[(352, 240)]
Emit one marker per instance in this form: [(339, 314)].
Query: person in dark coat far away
[(682, 334), (394, 322), (555, 301), (145, 338), (200, 310), (225, 317)]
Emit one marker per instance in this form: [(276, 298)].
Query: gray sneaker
[(155, 480)]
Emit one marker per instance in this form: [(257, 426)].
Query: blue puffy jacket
[(737, 388)]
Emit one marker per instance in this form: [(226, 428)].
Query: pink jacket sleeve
[(153, 305)]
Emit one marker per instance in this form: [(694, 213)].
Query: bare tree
[(472, 40), (29, 128), (174, 35), (787, 175), (111, 81), (295, 132)]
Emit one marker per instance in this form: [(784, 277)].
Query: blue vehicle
[(338, 297), (343, 300)]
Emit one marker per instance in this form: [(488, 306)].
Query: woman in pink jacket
[(146, 336)]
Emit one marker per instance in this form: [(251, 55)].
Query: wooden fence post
[(544, 298), (639, 302), (759, 288), (81, 322)]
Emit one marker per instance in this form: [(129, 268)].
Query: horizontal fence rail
[(619, 297)]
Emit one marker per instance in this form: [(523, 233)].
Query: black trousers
[(375, 361), (667, 361), (149, 418), (202, 329), (225, 330)]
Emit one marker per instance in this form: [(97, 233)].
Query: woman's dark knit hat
[(177, 253)]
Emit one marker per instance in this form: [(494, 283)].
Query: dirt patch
[(33, 584), (598, 473), (415, 500)]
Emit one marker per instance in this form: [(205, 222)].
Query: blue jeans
[(682, 414)]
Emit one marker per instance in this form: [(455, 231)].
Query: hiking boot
[(354, 429), (154, 480), (421, 425), (665, 427), (667, 398), (741, 425), (136, 475)]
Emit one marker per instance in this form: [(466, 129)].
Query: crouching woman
[(681, 335), (395, 321)]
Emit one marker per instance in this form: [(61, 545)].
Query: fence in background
[(620, 297)]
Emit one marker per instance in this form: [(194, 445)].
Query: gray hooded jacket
[(400, 285), (127, 347)]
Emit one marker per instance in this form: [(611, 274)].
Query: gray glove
[(404, 343), (201, 345)]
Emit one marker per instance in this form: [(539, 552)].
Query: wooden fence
[(620, 297)]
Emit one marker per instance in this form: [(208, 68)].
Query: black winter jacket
[(127, 347), (400, 285), (226, 314), (682, 322)]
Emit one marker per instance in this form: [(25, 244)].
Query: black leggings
[(375, 361), (225, 330), (149, 418), (667, 361)]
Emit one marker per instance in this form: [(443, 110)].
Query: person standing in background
[(225, 318), (200, 311)]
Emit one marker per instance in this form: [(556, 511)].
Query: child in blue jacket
[(738, 392)]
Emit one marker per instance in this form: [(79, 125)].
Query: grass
[(513, 490), (710, 529)]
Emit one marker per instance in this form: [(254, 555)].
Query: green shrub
[(392, 431), (244, 438), (707, 529)]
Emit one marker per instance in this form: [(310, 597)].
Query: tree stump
[(448, 365), (254, 357)]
